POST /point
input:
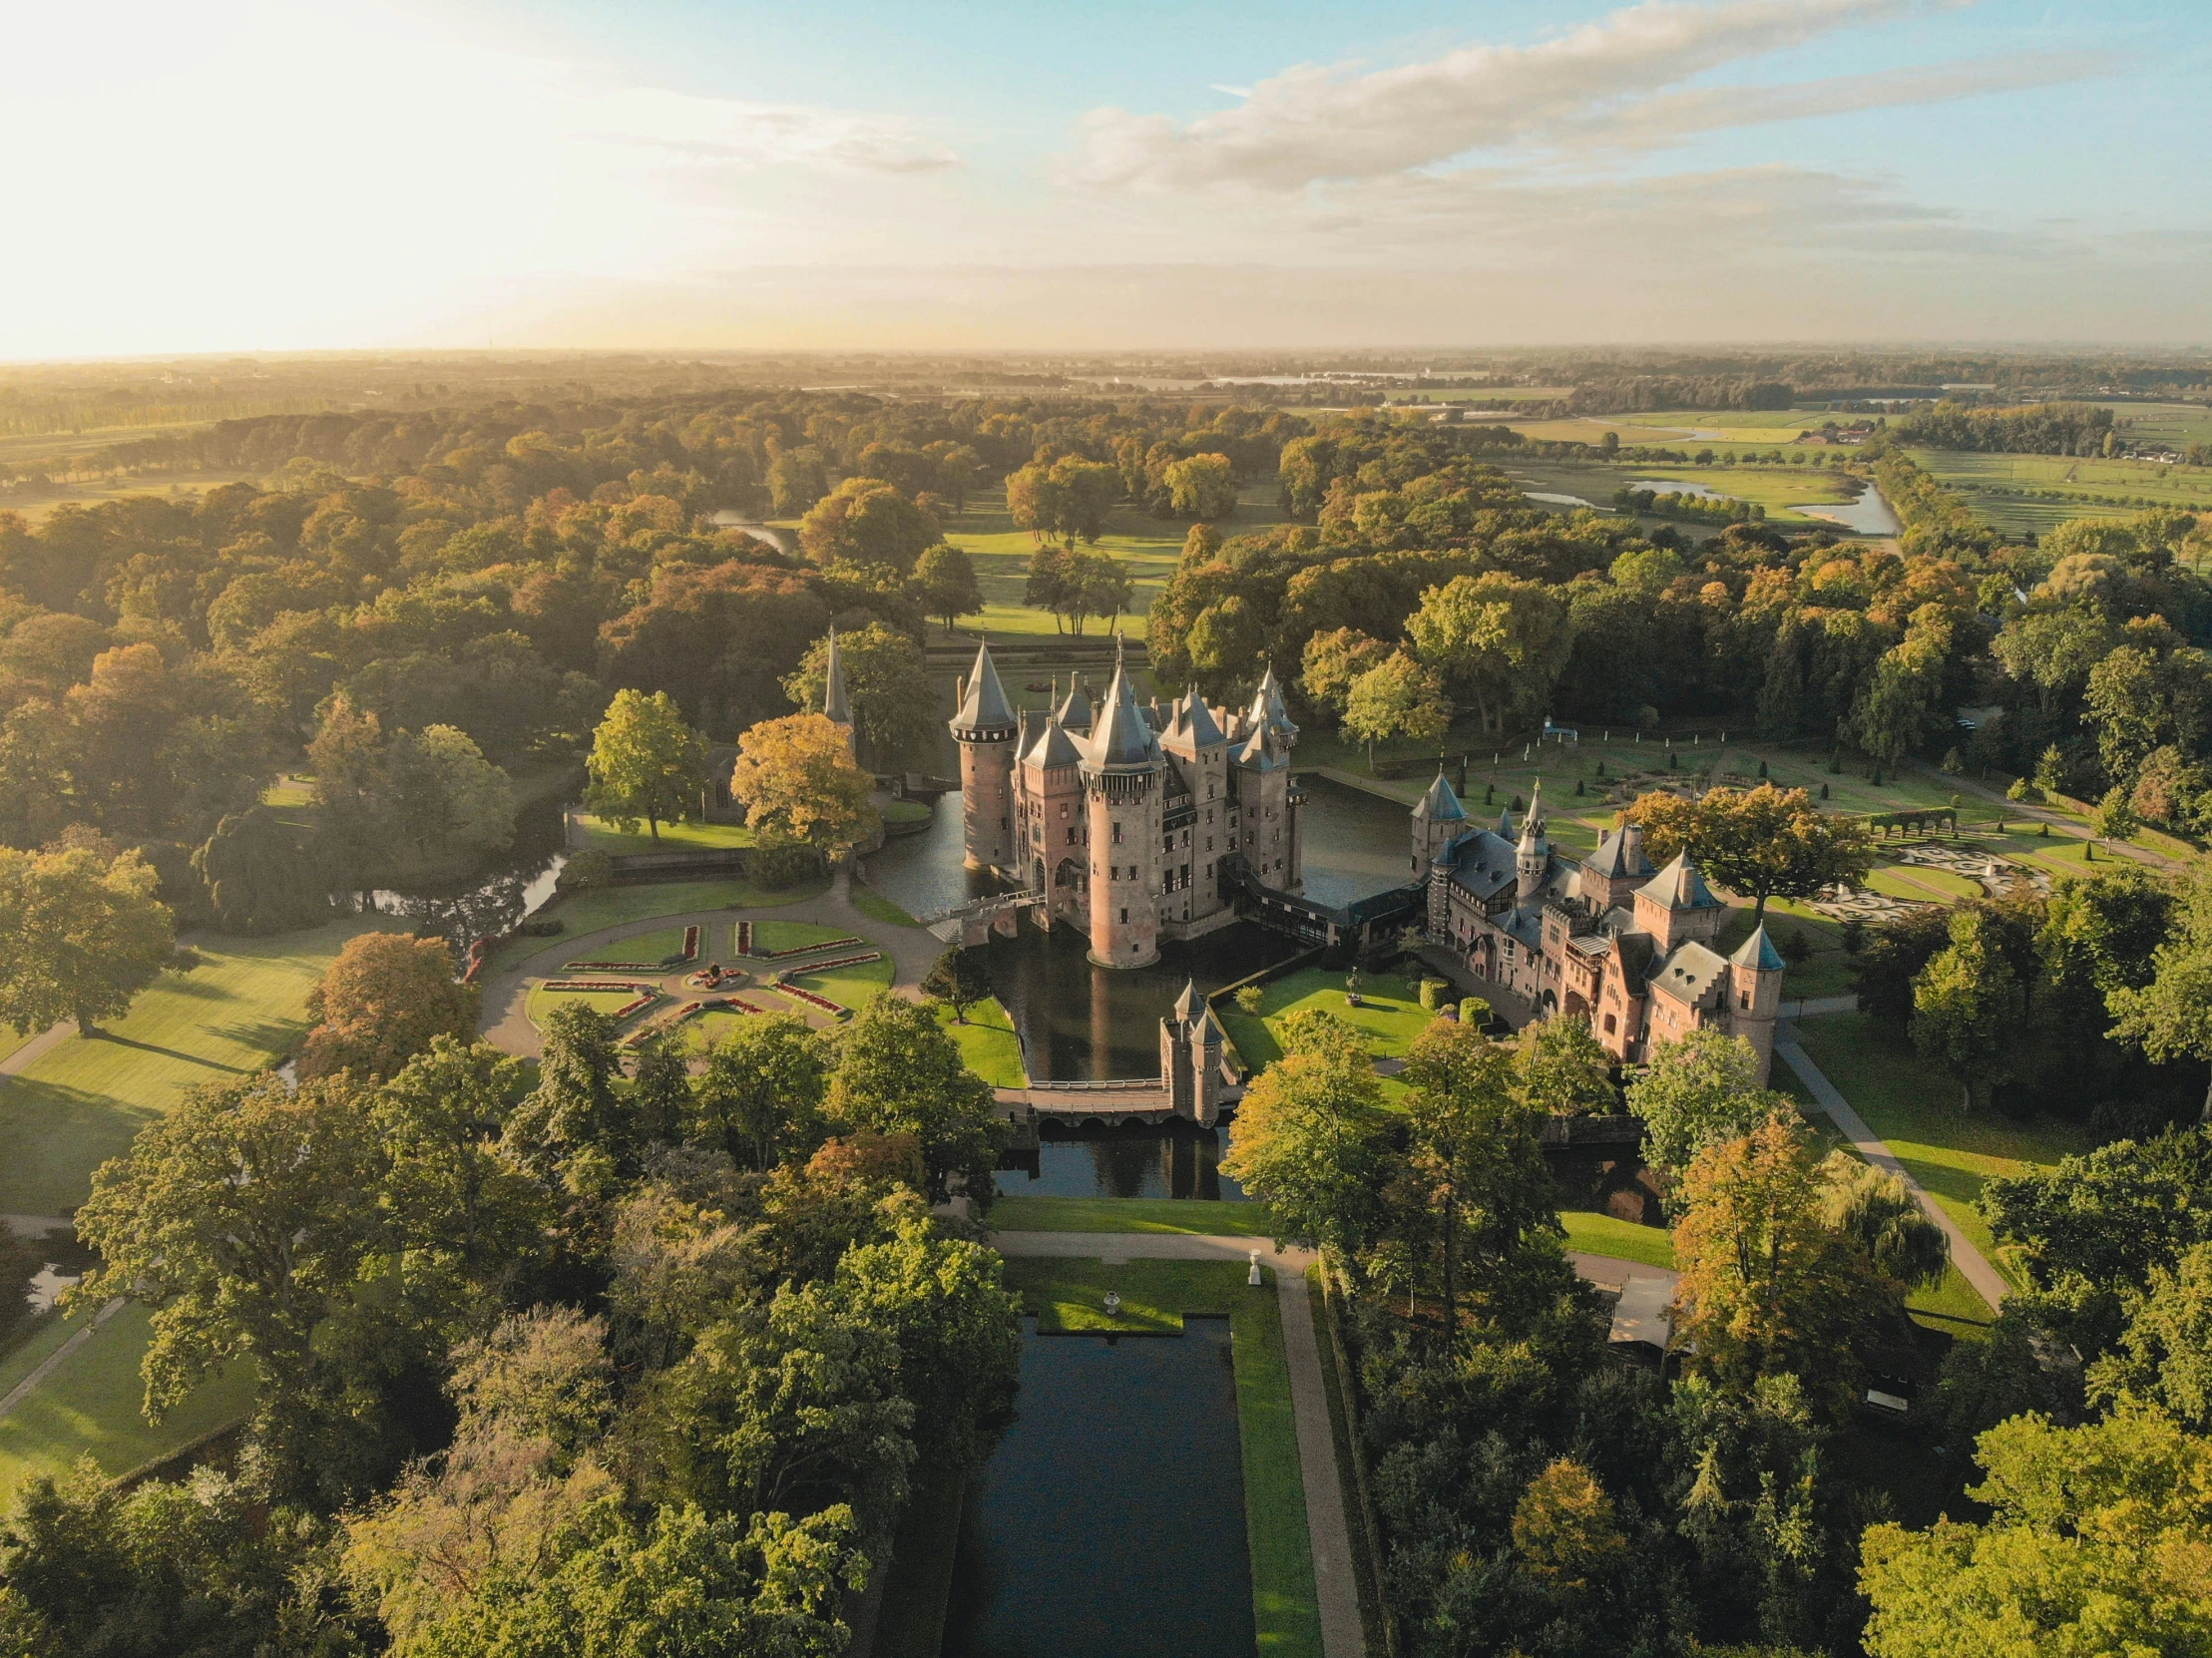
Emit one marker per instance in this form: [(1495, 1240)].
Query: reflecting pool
[(1177, 1159), (1109, 1522)]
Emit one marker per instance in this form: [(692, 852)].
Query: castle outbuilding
[(1609, 939), (1123, 817)]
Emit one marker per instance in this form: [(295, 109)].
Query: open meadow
[(2033, 494)]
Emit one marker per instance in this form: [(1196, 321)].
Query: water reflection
[(1179, 1160), (1110, 1519), (486, 905)]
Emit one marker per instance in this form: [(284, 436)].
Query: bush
[(1247, 1000), (589, 868), (785, 866), (2024, 790), (542, 927), (1432, 994), (1793, 945)]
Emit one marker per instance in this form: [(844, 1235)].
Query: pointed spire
[(1440, 804), (1681, 887), (1187, 1000), (1075, 711), (1204, 730), (1121, 738), (835, 706), (1268, 712), (982, 706), (1054, 747), (1757, 953), (1505, 823)]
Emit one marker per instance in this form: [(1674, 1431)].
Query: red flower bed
[(597, 985), (745, 938), (637, 1004), (690, 944), (834, 1009), (809, 949), (845, 962)]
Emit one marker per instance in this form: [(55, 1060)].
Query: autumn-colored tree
[(1763, 843), (865, 520), (379, 1004), (646, 764), (1203, 486), (1766, 1287), (1311, 1139), (894, 714), (1498, 641), (800, 786), (80, 937), (1334, 662), (1566, 1530)]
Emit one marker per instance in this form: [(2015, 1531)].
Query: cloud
[(685, 127), (1618, 80)]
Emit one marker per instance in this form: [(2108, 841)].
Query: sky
[(704, 174)]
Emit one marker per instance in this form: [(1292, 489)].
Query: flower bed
[(599, 985), (689, 1011), (745, 938), (715, 976), (809, 949), (690, 953), (646, 998), (821, 1003), (844, 961)]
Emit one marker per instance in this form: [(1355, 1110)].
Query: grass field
[(987, 1044), (675, 837), (1620, 1240), (712, 1028), (1778, 489), (770, 935), (1069, 1295), (1390, 1017), (646, 950), (876, 907), (1687, 429), (1146, 546), (242, 1009), (90, 1406), (851, 986), (1915, 1109), (1131, 1214), (2031, 494), (590, 912), (541, 1003)]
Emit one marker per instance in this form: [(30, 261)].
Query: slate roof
[(984, 707), (1756, 952), (1122, 738), (1440, 804), (1690, 973), (1619, 856), (1054, 747), (1074, 708), (1681, 887)]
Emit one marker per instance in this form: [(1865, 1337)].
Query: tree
[(240, 1219), (865, 520), (761, 1097), (1892, 957), (2164, 1355), (796, 480), (2170, 1017), (660, 1087), (1699, 1090), (900, 1073), (2092, 1547), (800, 786), (894, 713), (1397, 698), (79, 937), (1766, 1288), (451, 1192), (646, 764), (573, 1133), (1311, 1141), (1070, 498), (2105, 1219), (1499, 642), (1877, 1210), (945, 584), (1969, 1006), (1333, 663), (1763, 843), (259, 878), (1473, 1149), (1204, 486), (1561, 1070), (446, 797), (1566, 1530), (959, 980), (381, 1002)]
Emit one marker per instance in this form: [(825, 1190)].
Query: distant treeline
[(2038, 429), (1639, 393)]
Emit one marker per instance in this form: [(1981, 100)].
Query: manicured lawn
[(851, 986), (1070, 1294), (542, 1002), (769, 936), (10, 1040), (1621, 1240), (240, 1009), (1131, 1214), (1914, 1109), (675, 837), (987, 1044), (712, 1027), (905, 811), (1390, 1017), (645, 950), (876, 907), (603, 906), (90, 1406)]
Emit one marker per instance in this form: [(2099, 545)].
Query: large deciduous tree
[(1695, 1091), (894, 714), (1201, 486), (80, 937), (956, 979), (800, 786), (760, 1101), (1763, 843), (1970, 1006), (2170, 1016), (1398, 698), (1499, 641), (646, 764), (1311, 1139), (945, 584), (381, 1002), (865, 520), (900, 1073), (261, 876)]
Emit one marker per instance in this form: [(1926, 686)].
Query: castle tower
[(1611, 874), (1073, 713), (1193, 740), (1533, 857), (836, 707), (1676, 906), (1438, 820), (1122, 773), (1269, 838), (1191, 1057), (1755, 995), (984, 729), (1051, 820)]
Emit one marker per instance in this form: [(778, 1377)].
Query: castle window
[(1117, 834), (1070, 837), (1611, 1025), (1115, 873), (1743, 1001), (1124, 918), (1063, 809)]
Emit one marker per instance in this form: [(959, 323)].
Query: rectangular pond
[(1109, 1522), (1177, 1159)]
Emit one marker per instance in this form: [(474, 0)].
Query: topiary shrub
[(1432, 994), (1247, 1000), (585, 869)]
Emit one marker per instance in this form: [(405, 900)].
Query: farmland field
[(2031, 494), (1775, 488)]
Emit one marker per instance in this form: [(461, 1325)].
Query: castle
[(1610, 939), (1122, 818)]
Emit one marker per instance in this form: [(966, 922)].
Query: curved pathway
[(506, 1023)]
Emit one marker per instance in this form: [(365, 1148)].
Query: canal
[(1152, 1561)]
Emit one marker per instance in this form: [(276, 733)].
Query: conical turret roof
[(835, 705), (1505, 823), (1188, 1000), (1121, 738), (1054, 747), (1440, 804), (1681, 887), (1075, 707), (1620, 855), (1758, 953), (1204, 731), (984, 707), (1268, 712)]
